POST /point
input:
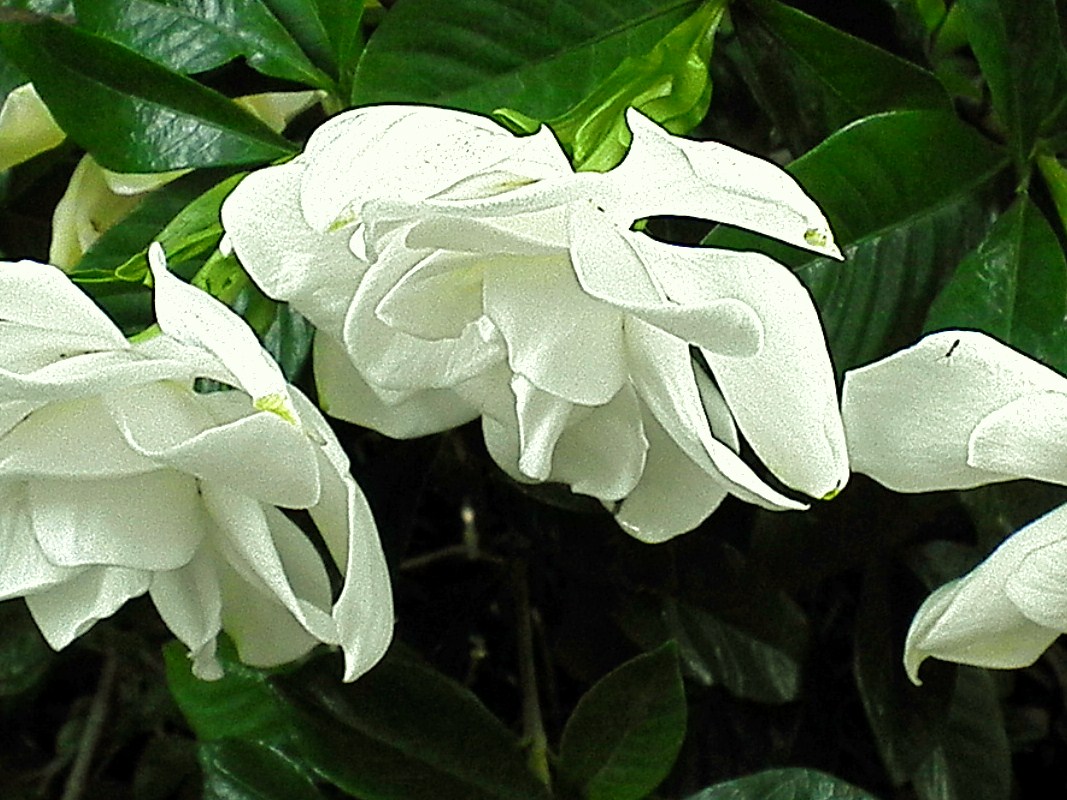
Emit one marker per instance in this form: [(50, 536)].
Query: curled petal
[(65, 612), (541, 417), (189, 600), (26, 127), (1026, 438), (24, 569), (1005, 612), (910, 417), (668, 175)]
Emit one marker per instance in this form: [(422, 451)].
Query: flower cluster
[(119, 478), (455, 271)]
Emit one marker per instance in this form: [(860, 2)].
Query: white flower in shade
[(454, 270), (118, 478), (27, 128), (958, 410)]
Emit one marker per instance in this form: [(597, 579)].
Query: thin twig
[(533, 726), (94, 726)]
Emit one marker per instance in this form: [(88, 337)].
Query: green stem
[(533, 726)]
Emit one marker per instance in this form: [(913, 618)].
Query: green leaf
[(144, 117), (539, 57), (902, 211), (239, 770), (403, 732), (905, 719), (304, 22), (972, 761), (24, 655), (626, 731), (193, 36), (785, 784), (812, 79), (1021, 54), (343, 23), (241, 704), (1013, 286), (670, 84)]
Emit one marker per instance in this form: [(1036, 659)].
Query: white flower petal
[(134, 183), (41, 296), (674, 494), (88, 374), (541, 419), (345, 394), (152, 521), (316, 272), (910, 417), (783, 398), (69, 440), (996, 615), (23, 566), (277, 109), (663, 375), (26, 127), (1026, 438), (563, 341), (65, 612), (87, 208), (194, 317), (189, 600), (669, 175), (438, 298), (248, 544), (618, 268), (603, 453), (259, 454)]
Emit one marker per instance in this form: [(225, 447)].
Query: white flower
[(454, 270), (958, 410), (27, 128), (118, 478)]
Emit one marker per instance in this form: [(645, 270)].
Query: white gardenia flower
[(958, 410), (454, 270), (118, 478)]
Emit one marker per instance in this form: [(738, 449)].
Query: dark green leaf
[(239, 705), (972, 760), (670, 84), (193, 36), (304, 22), (1020, 51), (144, 118), (625, 732), (1013, 286), (785, 784), (24, 654), (906, 720), (812, 79), (239, 770), (539, 57), (903, 212), (343, 22), (404, 732)]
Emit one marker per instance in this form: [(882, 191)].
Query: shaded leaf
[(239, 770), (145, 118), (405, 731), (1013, 286), (626, 731), (538, 57), (194, 36), (785, 784), (24, 654), (306, 24), (812, 79)]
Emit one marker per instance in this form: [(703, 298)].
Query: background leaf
[(812, 79), (626, 731), (145, 118), (1013, 286), (785, 784), (536, 56), (404, 732), (239, 770), (193, 36)]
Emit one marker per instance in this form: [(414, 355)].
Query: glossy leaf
[(239, 705), (1020, 50), (145, 118), (812, 79), (1013, 286), (785, 784), (670, 84), (404, 732), (240, 770), (342, 22), (626, 731), (901, 210), (538, 57), (305, 22), (972, 760), (194, 36)]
